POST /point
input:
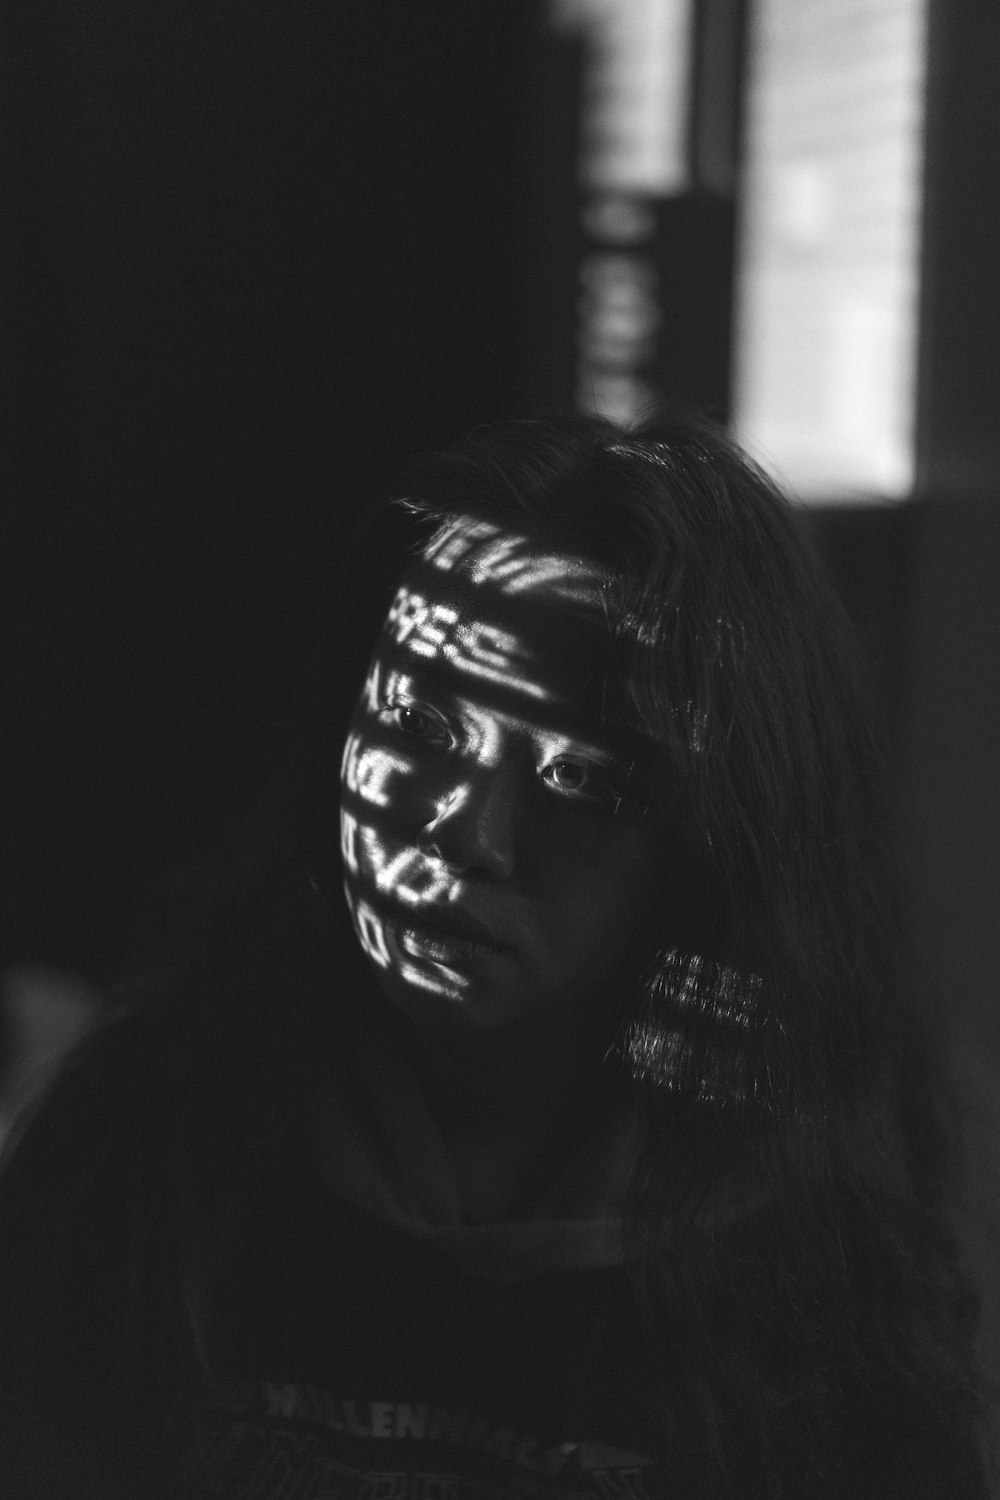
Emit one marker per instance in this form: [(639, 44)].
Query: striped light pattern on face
[(479, 831)]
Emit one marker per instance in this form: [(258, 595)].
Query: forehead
[(486, 610), (508, 563)]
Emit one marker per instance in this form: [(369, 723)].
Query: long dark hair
[(787, 1210), (786, 1230)]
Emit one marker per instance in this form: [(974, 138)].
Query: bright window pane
[(827, 286)]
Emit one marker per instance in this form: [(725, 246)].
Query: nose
[(473, 828)]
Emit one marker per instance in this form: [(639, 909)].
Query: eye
[(416, 723), (584, 781), (568, 775)]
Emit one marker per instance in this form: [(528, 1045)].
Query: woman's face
[(498, 860)]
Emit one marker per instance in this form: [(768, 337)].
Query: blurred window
[(633, 154), (828, 269)]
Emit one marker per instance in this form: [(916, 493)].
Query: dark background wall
[(255, 255), (952, 663)]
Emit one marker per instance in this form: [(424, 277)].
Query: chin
[(447, 1002)]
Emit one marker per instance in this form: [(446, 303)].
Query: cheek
[(379, 870), (383, 786), (372, 772), (617, 894), (381, 812)]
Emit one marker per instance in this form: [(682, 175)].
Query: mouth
[(441, 947), (452, 939)]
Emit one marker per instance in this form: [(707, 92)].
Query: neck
[(509, 1102)]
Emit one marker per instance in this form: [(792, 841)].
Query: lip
[(442, 948), (447, 937)]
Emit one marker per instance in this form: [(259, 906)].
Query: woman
[(603, 1158)]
